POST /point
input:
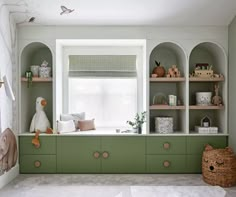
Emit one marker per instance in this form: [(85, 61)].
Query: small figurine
[(205, 121), (173, 72), (44, 63), (217, 100)]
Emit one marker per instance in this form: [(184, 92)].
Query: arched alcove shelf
[(211, 53), (168, 54), (214, 55), (34, 54)]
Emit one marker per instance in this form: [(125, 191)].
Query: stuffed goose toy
[(40, 121)]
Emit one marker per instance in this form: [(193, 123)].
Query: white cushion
[(75, 117), (65, 126)]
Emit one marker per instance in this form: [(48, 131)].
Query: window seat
[(100, 131)]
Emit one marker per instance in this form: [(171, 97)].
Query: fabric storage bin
[(164, 124)]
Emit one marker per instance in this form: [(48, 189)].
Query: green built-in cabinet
[(115, 154)]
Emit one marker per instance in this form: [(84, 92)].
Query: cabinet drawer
[(47, 145), (166, 163), (166, 145), (196, 144), (38, 163), (194, 163)]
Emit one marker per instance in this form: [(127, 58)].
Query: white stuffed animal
[(40, 121)]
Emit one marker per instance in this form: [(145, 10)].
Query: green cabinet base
[(115, 154)]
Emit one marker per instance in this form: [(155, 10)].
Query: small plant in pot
[(137, 124)]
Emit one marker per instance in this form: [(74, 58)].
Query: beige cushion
[(85, 125)]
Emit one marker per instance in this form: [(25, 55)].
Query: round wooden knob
[(37, 164), (105, 155), (96, 155), (166, 145), (166, 164)]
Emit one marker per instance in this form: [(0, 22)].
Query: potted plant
[(139, 119)]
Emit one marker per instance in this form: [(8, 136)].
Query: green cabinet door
[(75, 154), (126, 154), (196, 144), (195, 148), (194, 163)]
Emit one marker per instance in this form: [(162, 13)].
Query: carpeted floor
[(112, 185)]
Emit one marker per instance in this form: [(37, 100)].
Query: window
[(111, 101), (105, 82)]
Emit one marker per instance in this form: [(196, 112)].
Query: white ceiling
[(125, 12)]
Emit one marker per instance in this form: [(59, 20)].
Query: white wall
[(232, 81), (8, 67)]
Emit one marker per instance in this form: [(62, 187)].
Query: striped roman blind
[(102, 65)]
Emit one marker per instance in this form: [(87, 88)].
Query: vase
[(35, 70), (139, 130)]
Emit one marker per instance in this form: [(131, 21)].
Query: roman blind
[(102, 65)]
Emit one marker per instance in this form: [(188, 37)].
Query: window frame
[(104, 50)]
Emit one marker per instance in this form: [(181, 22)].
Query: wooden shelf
[(166, 107), (206, 107), (167, 79), (198, 79), (37, 79)]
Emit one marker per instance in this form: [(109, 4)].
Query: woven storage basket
[(219, 166)]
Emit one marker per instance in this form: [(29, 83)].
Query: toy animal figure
[(8, 150), (40, 121), (217, 100)]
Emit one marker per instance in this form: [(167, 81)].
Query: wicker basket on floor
[(219, 166)]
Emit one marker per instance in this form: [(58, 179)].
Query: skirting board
[(9, 176)]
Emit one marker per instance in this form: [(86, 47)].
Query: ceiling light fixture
[(65, 10)]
